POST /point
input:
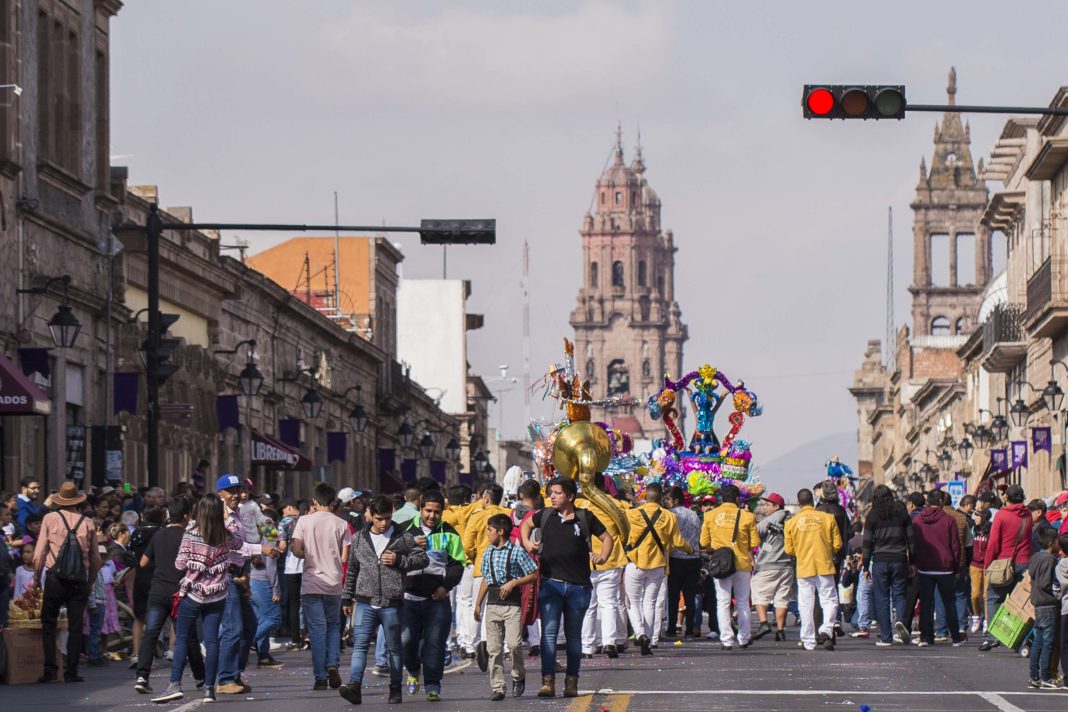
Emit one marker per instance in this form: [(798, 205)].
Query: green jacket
[(447, 560)]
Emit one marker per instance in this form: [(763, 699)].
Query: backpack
[(68, 564), (720, 562)]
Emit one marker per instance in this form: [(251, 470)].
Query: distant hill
[(804, 466)]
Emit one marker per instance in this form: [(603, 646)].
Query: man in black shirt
[(565, 587), (161, 553)]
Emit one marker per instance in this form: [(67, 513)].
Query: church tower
[(949, 203), (628, 328)]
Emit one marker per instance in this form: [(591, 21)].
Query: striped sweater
[(205, 567)]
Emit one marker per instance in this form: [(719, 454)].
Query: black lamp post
[(426, 446), (312, 403), (966, 448), (250, 379), (452, 449), (63, 324), (999, 427), (358, 415), (405, 434), (945, 460)]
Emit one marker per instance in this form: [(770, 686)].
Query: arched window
[(660, 285), (642, 277), (619, 197), (960, 325), (618, 378), (589, 369), (647, 369), (617, 274), (602, 197), (593, 274), (940, 326)]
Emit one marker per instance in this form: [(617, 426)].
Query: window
[(617, 274), (602, 197), (59, 87), (593, 274), (7, 98), (961, 325), (590, 369), (618, 378), (939, 262), (660, 285), (939, 326), (641, 273), (647, 369), (966, 259), (619, 197)]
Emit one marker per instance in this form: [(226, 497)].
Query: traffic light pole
[(154, 232), (956, 108)]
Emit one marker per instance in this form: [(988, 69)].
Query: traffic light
[(458, 232), (167, 344), (847, 101)]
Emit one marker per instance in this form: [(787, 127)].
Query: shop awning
[(276, 455), (389, 483), (18, 394)]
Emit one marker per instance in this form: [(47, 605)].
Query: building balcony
[(1004, 345), (1047, 301)]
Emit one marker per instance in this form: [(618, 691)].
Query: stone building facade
[(628, 325)]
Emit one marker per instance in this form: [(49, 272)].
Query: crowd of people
[(417, 582)]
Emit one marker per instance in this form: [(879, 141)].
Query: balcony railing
[(1039, 289), (1003, 326)]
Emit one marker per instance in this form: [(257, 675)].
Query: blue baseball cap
[(227, 481)]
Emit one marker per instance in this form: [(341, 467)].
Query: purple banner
[(1019, 453), (289, 432), (336, 446), (409, 468), (437, 470), (34, 360), (999, 460), (467, 478), (226, 411), (1041, 440), (126, 386)]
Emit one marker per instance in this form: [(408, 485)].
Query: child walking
[(506, 567), (1047, 609)]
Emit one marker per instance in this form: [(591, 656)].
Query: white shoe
[(975, 624), (711, 635), (169, 655)]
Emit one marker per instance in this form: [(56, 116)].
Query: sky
[(258, 110)]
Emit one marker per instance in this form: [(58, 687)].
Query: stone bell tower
[(628, 328)]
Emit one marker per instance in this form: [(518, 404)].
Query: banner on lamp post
[(1041, 439), (999, 459), (1019, 453)]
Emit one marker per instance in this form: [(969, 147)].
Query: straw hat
[(68, 495)]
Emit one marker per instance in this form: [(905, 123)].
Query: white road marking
[(994, 698), (1000, 702), (188, 706)]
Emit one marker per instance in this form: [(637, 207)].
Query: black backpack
[(69, 564), (720, 562)]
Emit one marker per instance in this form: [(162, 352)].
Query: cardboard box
[(1019, 601), (25, 655)]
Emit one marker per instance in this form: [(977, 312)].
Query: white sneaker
[(712, 635), (169, 655), (975, 624), (881, 644)]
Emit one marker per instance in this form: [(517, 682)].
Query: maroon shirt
[(937, 541), (1004, 532)]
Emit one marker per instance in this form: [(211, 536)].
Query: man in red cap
[(773, 580)]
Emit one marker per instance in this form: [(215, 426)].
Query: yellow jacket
[(718, 526), (457, 516), (618, 558), (812, 538), (647, 555), (476, 538)]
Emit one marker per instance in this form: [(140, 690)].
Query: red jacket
[(937, 541), (1003, 535)]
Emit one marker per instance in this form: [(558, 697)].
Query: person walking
[(814, 539), (506, 568), (654, 532), (773, 580), (323, 541), (564, 587), (266, 591), (938, 564), (1010, 542), (684, 569), (160, 557), (730, 526), (601, 625), (204, 556), (427, 615), (67, 544), (888, 550), (380, 557), (977, 574), (1046, 603), (457, 514), (475, 540)]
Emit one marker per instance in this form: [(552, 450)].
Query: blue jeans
[(427, 623), (235, 634), (188, 613), (556, 597), (156, 615), (268, 616), (381, 659), (367, 621), (996, 595), (889, 579), (322, 615), (942, 584), (865, 597), (96, 623), (1046, 620), (961, 590)]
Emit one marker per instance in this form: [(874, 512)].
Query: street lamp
[(999, 426), (916, 480), (945, 460), (63, 324), (250, 379), (452, 449), (312, 403), (966, 448), (426, 446), (358, 415), (405, 434)]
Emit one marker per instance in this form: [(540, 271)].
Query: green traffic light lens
[(889, 102), (854, 102)]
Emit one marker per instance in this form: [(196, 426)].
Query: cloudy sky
[(258, 110)]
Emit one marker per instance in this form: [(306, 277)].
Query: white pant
[(661, 611), (601, 624), (738, 585), (467, 630), (643, 592), (807, 589)]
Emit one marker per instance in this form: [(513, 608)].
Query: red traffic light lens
[(855, 102), (820, 101)]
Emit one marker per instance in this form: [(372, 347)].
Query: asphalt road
[(693, 676)]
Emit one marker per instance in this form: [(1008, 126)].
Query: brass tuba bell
[(581, 451)]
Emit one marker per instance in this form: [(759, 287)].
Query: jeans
[(322, 616), (961, 589), (268, 616), (1046, 619), (571, 599), (864, 597), (75, 594), (211, 615), (381, 659), (367, 621), (235, 634), (96, 623), (427, 623), (293, 612), (996, 595), (889, 579), (683, 579), (157, 612), (944, 583)]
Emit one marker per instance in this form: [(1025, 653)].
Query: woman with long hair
[(888, 556), (983, 521), (204, 555)]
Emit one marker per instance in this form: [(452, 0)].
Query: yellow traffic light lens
[(889, 102), (854, 102)]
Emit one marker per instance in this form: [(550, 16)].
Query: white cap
[(346, 495)]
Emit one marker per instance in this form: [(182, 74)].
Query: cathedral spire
[(619, 143), (639, 162), (951, 87)]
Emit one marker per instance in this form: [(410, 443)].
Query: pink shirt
[(324, 536)]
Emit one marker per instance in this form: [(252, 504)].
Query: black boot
[(395, 697)]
